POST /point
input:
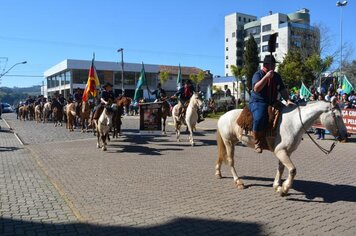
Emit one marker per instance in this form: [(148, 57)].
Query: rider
[(160, 93), (106, 95), (265, 85), (184, 94)]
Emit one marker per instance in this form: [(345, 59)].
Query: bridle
[(324, 150)]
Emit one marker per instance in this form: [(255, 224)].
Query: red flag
[(92, 83)]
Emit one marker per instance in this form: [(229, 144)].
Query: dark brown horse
[(120, 103), (84, 115), (166, 111)]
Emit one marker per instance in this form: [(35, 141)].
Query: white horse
[(290, 129), (47, 110), (103, 125), (190, 119)]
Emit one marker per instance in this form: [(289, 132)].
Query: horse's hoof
[(104, 148), (218, 176), (239, 185), (193, 144), (281, 192)]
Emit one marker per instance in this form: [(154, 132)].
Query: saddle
[(245, 120)]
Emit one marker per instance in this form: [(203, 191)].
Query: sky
[(185, 32)]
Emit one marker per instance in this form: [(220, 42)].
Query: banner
[(151, 118)]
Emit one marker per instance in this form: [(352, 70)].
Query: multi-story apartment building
[(294, 31)]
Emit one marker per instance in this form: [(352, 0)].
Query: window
[(227, 40), (227, 66), (227, 57), (244, 19), (239, 18), (233, 34), (227, 49), (265, 48), (266, 28), (265, 38)]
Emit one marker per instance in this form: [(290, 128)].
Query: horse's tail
[(222, 154)]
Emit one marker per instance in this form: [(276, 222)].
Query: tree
[(163, 77), (316, 66), (197, 78), (292, 69), (349, 69), (251, 61)]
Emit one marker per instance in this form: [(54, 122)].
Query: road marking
[(16, 135)]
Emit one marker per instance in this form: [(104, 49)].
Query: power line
[(39, 76)]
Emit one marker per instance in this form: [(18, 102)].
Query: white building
[(294, 31), (70, 74)]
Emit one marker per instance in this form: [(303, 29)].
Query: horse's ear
[(334, 101)]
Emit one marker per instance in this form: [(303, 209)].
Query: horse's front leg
[(98, 139), (287, 162), (103, 139), (164, 125), (191, 139), (278, 179)]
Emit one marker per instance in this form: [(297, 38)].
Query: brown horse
[(31, 111), (123, 102), (84, 115), (166, 111)]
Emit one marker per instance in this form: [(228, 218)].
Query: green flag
[(304, 92), (346, 85), (179, 78), (141, 81)]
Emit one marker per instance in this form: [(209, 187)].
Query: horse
[(123, 102), (190, 119), (292, 124), (57, 115), (84, 115), (38, 112), (103, 125), (47, 110), (31, 111), (166, 111), (23, 112), (70, 112)]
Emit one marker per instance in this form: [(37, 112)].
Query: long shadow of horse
[(312, 190), (126, 146), (8, 149), (178, 226)]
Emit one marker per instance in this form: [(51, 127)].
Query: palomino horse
[(70, 113), (23, 112), (293, 123), (190, 119), (103, 125), (38, 112), (47, 110)]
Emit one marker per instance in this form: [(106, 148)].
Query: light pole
[(122, 70), (341, 5), (1, 75)]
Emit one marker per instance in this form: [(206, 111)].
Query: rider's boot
[(258, 136)]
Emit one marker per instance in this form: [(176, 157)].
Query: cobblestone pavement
[(146, 185)]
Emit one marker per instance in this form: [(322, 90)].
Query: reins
[(324, 150)]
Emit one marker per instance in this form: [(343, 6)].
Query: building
[(294, 32), (221, 84), (70, 74), (234, 39)]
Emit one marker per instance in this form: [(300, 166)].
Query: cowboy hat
[(269, 59), (107, 84)]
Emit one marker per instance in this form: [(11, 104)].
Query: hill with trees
[(16, 94)]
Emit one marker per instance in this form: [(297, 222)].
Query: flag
[(92, 83), (179, 78), (140, 82), (346, 85), (304, 92)]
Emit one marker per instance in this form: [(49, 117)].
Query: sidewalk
[(29, 203)]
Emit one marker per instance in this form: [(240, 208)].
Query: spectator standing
[(320, 132)]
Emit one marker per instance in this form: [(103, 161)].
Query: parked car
[(6, 108)]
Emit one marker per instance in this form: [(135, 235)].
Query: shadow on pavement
[(312, 190), (8, 149), (179, 226)]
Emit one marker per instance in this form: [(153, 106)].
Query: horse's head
[(106, 116), (196, 99), (332, 121)]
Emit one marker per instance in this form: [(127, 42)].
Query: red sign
[(349, 117)]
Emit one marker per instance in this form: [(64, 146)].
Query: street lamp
[(341, 4), (24, 62), (122, 70)]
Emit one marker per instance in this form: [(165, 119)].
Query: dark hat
[(107, 84), (268, 59)]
